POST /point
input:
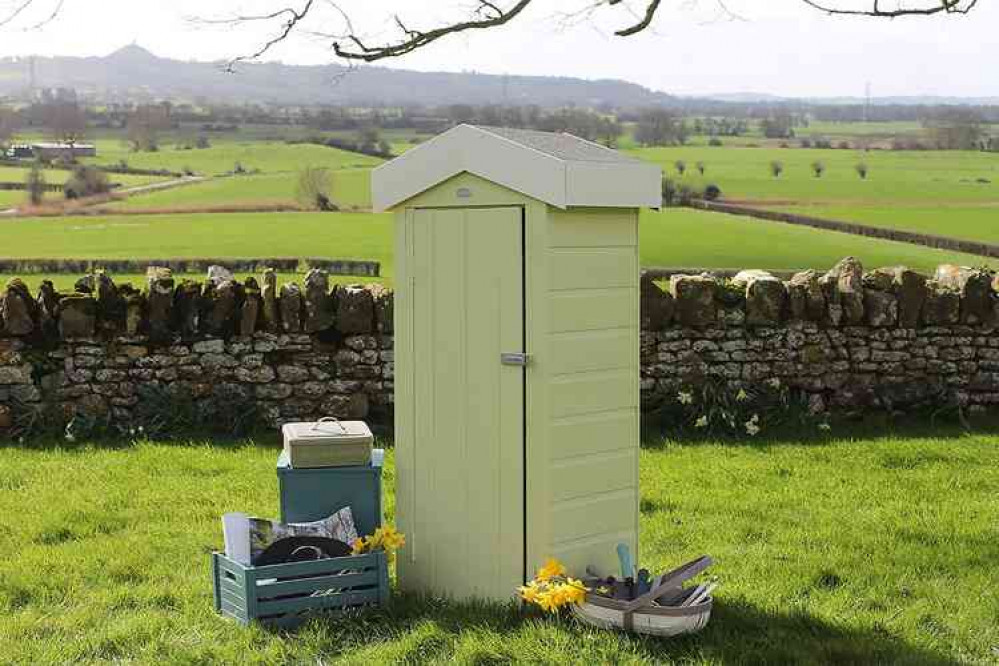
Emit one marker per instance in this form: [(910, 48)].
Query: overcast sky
[(776, 46)]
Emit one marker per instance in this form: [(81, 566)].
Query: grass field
[(852, 550), (674, 238), (977, 223), (222, 156), (947, 193), (936, 177), (350, 187), (694, 239)]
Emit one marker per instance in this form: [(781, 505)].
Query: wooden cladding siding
[(592, 398)]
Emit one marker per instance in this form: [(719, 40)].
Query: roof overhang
[(558, 182)]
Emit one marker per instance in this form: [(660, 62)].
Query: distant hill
[(909, 100), (133, 73)]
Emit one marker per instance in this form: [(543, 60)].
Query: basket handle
[(668, 580), (329, 419)]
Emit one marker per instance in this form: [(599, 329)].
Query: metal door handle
[(514, 358)]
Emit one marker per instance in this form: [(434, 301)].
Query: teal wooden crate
[(286, 595)]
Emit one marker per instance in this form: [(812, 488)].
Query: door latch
[(514, 358)]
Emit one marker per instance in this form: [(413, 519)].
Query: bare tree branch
[(928, 9), (650, 13), (17, 11), (491, 16)]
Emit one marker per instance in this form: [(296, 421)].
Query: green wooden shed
[(516, 355)]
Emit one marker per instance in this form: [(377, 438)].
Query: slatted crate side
[(276, 593), (230, 588)]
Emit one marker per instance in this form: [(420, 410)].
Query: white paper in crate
[(246, 537)]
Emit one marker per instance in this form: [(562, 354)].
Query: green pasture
[(931, 177), (350, 188), (849, 131), (846, 550), (673, 238), (977, 223), (12, 174), (694, 239), (224, 154)]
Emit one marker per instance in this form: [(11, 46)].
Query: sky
[(777, 47)]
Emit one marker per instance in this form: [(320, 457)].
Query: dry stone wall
[(890, 338), (849, 338), (298, 354)]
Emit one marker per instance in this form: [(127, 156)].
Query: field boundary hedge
[(927, 240), (35, 266)]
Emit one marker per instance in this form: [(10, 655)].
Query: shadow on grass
[(739, 633), (869, 427), (264, 439)]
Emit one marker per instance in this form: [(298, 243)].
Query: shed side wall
[(591, 368)]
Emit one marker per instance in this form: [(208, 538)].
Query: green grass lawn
[(675, 238), (853, 550)]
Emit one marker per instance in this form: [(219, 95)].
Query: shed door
[(467, 508)]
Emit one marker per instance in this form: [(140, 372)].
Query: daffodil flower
[(701, 422)]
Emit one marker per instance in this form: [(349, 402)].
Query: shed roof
[(557, 168)]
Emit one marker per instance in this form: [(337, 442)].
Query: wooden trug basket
[(657, 612)]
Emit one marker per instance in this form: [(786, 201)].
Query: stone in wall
[(880, 308), (18, 310), (694, 297), (844, 289), (355, 311), (48, 309), (217, 275), (806, 298), (974, 285), (270, 315), (384, 304), (77, 316), (159, 297), (318, 301), (187, 308), (111, 307), (943, 305), (250, 311), (910, 289), (766, 297), (291, 308), (226, 300), (135, 309), (656, 306)]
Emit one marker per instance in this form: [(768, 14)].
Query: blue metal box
[(315, 493)]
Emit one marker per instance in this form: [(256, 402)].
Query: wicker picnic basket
[(658, 612)]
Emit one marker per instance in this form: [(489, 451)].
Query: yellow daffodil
[(742, 396), (551, 569), (553, 588)]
